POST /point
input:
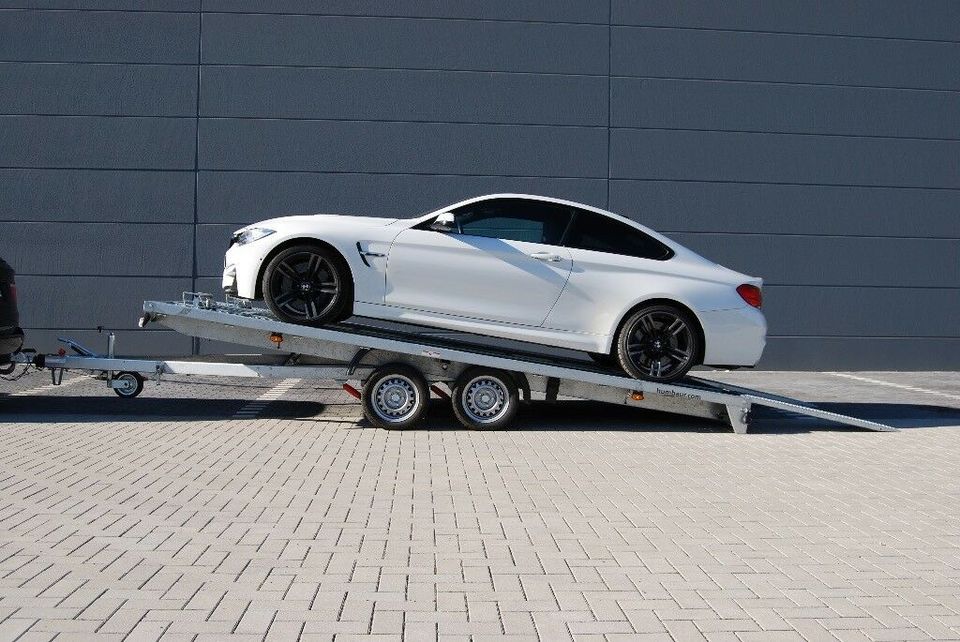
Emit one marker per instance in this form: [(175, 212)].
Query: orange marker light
[(636, 396)]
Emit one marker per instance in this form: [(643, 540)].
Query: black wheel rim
[(304, 285), (660, 344)]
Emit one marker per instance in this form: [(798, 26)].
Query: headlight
[(250, 235)]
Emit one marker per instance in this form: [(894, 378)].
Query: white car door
[(495, 266)]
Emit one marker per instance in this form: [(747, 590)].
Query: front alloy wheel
[(658, 343), (307, 285)]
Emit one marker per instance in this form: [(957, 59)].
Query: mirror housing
[(444, 222)]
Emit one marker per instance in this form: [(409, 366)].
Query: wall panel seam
[(769, 32), (401, 121), (464, 175), (783, 133), (387, 16), (485, 72), (194, 341)]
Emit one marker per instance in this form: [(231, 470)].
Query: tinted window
[(514, 219), (602, 234)]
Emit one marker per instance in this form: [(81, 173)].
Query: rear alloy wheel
[(485, 398), (658, 343), (395, 396), (307, 285)]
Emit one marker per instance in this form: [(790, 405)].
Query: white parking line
[(255, 407), (894, 385), (49, 386)]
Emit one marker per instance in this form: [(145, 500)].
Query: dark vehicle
[(11, 336)]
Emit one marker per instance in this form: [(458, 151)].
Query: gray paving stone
[(582, 523)]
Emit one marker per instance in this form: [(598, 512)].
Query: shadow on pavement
[(560, 416), (589, 415), (42, 409), (573, 416), (899, 415)]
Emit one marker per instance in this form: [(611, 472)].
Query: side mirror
[(444, 223)]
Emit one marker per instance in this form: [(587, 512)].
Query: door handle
[(549, 257)]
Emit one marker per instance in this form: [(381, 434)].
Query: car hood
[(338, 219)]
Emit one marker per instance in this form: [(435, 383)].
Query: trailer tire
[(485, 398), (133, 384), (395, 396)]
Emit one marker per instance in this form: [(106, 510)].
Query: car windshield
[(432, 210)]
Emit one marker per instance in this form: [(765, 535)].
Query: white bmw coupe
[(521, 267)]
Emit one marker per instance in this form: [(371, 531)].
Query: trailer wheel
[(395, 396), (131, 384), (485, 398)]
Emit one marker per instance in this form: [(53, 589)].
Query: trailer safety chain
[(23, 373)]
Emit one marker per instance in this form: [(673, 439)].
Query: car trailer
[(397, 369)]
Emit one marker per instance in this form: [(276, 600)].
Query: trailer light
[(751, 294), (350, 390), (276, 338), (636, 395)]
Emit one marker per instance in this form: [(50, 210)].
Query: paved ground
[(197, 510)]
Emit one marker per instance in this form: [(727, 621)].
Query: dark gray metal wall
[(814, 144)]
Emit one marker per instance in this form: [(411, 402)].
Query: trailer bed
[(354, 350)]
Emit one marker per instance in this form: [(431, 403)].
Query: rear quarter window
[(602, 234)]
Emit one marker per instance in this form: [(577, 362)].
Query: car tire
[(395, 396), (658, 342), (132, 383), (485, 398), (308, 285)]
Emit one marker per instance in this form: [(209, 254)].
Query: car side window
[(603, 234), (515, 220)]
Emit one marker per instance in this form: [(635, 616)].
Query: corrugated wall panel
[(399, 43), (244, 197), (815, 147)]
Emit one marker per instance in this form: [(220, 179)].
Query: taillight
[(751, 294)]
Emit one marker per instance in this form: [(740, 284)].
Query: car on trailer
[(11, 336), (514, 266)]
